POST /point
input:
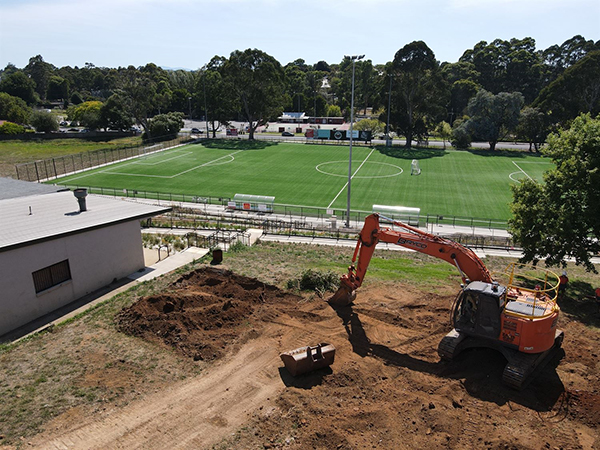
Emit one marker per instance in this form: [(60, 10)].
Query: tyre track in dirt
[(194, 414)]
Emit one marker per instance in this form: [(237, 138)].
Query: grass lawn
[(17, 152), (461, 183)]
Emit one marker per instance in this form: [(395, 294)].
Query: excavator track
[(521, 365), (448, 346)]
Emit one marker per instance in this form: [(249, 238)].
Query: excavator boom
[(466, 261)]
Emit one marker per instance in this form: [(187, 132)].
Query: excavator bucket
[(307, 359), (343, 297)]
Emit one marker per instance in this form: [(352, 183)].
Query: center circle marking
[(319, 169)]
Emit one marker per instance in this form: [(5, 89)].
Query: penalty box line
[(346, 185), (106, 172)]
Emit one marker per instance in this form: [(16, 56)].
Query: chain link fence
[(53, 168)]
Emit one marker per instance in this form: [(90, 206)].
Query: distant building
[(55, 248), (297, 117)]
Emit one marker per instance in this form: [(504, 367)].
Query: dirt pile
[(204, 312)]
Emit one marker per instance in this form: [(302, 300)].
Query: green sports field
[(458, 183)]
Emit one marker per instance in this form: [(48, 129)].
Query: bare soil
[(386, 389)]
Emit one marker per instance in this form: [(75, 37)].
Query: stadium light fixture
[(354, 59)]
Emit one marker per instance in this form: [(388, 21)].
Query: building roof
[(293, 115), (38, 218), (10, 188)]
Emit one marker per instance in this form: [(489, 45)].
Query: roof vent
[(81, 194)]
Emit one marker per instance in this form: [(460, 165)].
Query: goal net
[(414, 167)]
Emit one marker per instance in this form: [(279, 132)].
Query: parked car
[(287, 134), (197, 131)]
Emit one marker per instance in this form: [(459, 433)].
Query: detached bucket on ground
[(306, 359)]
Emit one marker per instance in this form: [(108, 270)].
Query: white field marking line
[(177, 174), (342, 190), (158, 162), (512, 178), (112, 163), (159, 176), (400, 170), (526, 174)]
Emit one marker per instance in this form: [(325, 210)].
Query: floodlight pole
[(205, 110), (354, 59), (388, 141)]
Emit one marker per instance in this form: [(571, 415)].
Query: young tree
[(373, 125), (532, 127), (493, 116), (334, 111), (257, 80), (87, 114), (164, 127), (445, 131), (561, 218), (43, 122)]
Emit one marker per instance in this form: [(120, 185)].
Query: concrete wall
[(96, 258)]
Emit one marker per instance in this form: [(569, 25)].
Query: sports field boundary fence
[(198, 211), (195, 221), (52, 168)]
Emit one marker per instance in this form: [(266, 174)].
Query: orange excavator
[(518, 319)]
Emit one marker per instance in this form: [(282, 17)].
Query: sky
[(188, 33)]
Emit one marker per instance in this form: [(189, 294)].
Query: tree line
[(494, 89)]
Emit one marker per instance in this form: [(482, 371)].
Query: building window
[(51, 276)]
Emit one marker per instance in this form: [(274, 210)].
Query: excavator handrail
[(546, 294)]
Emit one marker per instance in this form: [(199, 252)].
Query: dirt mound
[(203, 313)]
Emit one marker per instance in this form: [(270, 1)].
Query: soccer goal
[(414, 167)]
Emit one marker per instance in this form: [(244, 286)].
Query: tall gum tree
[(257, 81), (418, 90)]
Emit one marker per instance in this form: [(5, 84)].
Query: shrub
[(315, 280), (236, 247), (461, 138), (163, 127), (43, 122), (11, 128)]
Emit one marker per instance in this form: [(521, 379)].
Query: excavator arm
[(469, 265)]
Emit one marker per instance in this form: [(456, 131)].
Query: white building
[(53, 253)]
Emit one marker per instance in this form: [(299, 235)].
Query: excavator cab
[(477, 309)]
